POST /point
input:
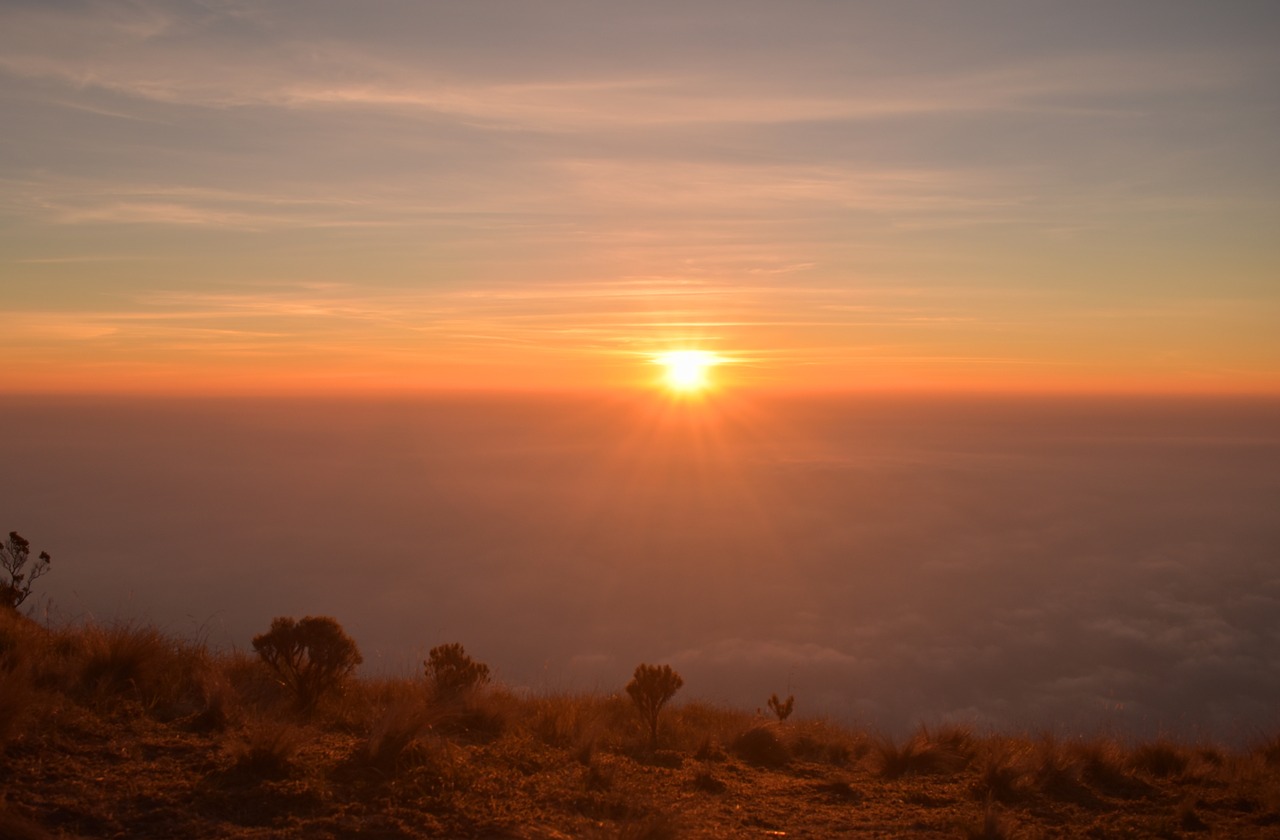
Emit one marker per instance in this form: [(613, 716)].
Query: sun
[(686, 370)]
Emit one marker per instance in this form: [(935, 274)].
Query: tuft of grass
[(127, 662), (694, 724), (762, 746), (476, 717), (993, 825), (1002, 771), (565, 721), (394, 729), (948, 751), (20, 645), (219, 702), (705, 781), (1186, 818), (1269, 751), (598, 776), (710, 749), (436, 768), (17, 698), (1103, 765), (266, 749), (1160, 759), (1057, 771), (822, 742)]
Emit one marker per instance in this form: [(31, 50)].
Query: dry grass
[(118, 731), (1269, 751), (396, 726), (1161, 759), (266, 748), (17, 698), (947, 750), (135, 663), (992, 826), (826, 743), (762, 746)]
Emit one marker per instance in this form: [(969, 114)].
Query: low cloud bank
[(1045, 565)]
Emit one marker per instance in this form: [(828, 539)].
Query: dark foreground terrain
[(123, 732)]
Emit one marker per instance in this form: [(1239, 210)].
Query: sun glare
[(686, 370)]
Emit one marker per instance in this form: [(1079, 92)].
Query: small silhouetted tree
[(782, 708), (309, 657), (650, 689), (15, 560), (452, 673)]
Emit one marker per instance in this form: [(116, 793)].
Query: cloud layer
[(1050, 564)]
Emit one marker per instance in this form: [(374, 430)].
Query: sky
[(228, 196)]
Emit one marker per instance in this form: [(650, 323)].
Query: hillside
[(121, 731)]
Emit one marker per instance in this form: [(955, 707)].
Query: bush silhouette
[(761, 746), (650, 688), (15, 555), (782, 708), (309, 657), (452, 673)]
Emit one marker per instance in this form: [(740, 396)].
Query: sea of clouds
[(1063, 564)]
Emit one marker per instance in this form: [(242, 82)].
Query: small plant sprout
[(650, 689), (15, 560), (452, 673), (782, 708), (309, 657)]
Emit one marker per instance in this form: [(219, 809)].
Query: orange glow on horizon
[(687, 371)]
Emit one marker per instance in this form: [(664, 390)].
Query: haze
[(1060, 564)]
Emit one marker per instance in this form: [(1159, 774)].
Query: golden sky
[(319, 196)]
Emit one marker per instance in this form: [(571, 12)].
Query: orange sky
[(301, 199)]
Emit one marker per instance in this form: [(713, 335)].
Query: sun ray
[(687, 371)]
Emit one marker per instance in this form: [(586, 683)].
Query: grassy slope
[(120, 731)]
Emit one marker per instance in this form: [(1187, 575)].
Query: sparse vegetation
[(119, 730), (22, 571), (651, 687), (782, 708), (761, 746), (452, 673), (946, 751), (309, 657)]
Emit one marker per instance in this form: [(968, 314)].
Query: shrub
[(650, 688), (452, 673), (309, 657), (15, 561), (782, 708), (760, 745)]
